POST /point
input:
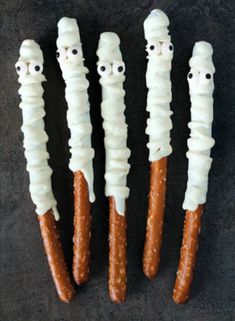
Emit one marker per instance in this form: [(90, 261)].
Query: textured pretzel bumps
[(184, 276), (117, 254), (55, 256), (82, 224), (152, 247)]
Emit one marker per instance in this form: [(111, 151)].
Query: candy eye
[(118, 68), (21, 68), (205, 77), (35, 68), (192, 76), (153, 48), (61, 54), (167, 48), (74, 53), (104, 69)]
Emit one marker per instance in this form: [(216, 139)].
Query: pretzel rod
[(55, 256), (70, 58), (111, 69), (201, 87), (188, 252), (29, 68), (82, 234), (117, 254), (160, 54), (152, 247)]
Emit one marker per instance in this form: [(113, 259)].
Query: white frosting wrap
[(70, 57), (201, 87), (29, 68), (111, 69), (160, 53)]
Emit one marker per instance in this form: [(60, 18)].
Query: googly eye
[(167, 49), (21, 68), (205, 77), (192, 76), (153, 48), (104, 69), (61, 54), (74, 53), (35, 68), (118, 68)]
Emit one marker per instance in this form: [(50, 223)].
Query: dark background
[(26, 288)]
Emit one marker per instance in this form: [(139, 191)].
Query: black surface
[(26, 288)]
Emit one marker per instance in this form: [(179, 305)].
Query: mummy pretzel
[(70, 58), (111, 69), (160, 53), (29, 68), (201, 87)]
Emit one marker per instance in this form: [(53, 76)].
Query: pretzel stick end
[(188, 252), (55, 257), (117, 254), (155, 217), (82, 233)]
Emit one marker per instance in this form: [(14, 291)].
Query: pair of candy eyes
[(105, 69), (71, 53), (32, 68), (204, 77), (157, 48)]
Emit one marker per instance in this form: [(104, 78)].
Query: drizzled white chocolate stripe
[(160, 53), (201, 88), (74, 72), (29, 67), (111, 69)]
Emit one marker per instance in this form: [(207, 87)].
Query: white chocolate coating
[(201, 87), (112, 110), (78, 114), (160, 53), (35, 137)]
